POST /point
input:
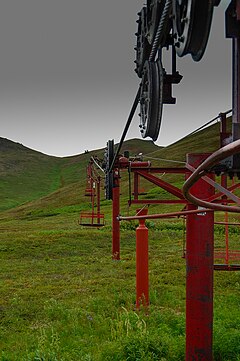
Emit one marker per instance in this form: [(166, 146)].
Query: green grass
[(27, 176), (63, 298), (33, 180)]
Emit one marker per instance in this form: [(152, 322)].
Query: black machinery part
[(151, 99), (191, 26), (154, 11), (109, 155), (142, 48)]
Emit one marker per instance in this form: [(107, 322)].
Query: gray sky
[(67, 78)]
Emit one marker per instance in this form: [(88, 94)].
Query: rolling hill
[(32, 180), (28, 176)]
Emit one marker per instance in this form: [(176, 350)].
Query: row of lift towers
[(199, 243), (199, 172)]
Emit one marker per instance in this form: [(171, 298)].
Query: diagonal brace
[(162, 184)]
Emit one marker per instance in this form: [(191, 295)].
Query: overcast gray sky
[(67, 78)]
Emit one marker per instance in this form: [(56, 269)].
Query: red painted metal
[(160, 183), (232, 254), (89, 185), (124, 162), (136, 186), (226, 238), (225, 267), (162, 170), (212, 160), (139, 164), (220, 194), (98, 198), (158, 201), (166, 215), (228, 223), (115, 214), (93, 190), (90, 219), (142, 278), (199, 274)]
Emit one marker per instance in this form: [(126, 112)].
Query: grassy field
[(62, 296)]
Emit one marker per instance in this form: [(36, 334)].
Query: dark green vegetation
[(62, 296)]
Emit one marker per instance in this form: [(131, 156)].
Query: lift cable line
[(166, 160), (208, 123), (161, 29), (130, 117), (97, 165)]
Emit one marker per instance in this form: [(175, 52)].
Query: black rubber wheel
[(191, 26), (151, 100)]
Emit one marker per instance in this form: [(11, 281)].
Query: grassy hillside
[(62, 296), (32, 181), (35, 181), (25, 174), (204, 141)]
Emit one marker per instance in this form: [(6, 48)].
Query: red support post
[(136, 185), (93, 198), (115, 214), (199, 277), (98, 199), (142, 281)]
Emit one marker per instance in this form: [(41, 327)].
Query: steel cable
[(208, 123), (160, 30), (130, 117)]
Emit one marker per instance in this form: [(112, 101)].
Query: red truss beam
[(159, 201), (220, 194), (160, 183), (160, 170)]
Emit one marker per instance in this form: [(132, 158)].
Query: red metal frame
[(199, 239), (142, 277), (90, 219), (93, 190), (115, 214), (199, 273), (199, 248)]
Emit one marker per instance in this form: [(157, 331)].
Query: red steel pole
[(136, 184), (142, 281), (199, 274), (115, 214), (98, 199), (93, 199)]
